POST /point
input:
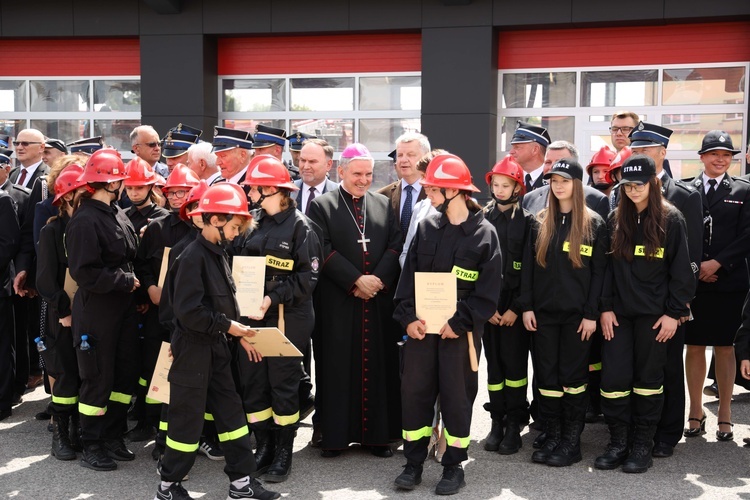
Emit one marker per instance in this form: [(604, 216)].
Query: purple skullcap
[(356, 150)]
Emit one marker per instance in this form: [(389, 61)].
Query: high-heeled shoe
[(695, 431), (725, 436)]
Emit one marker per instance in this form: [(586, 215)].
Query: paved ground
[(700, 468)]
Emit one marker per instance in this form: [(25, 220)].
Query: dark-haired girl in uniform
[(648, 285), (563, 272), (506, 341)]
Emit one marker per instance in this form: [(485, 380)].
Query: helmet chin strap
[(146, 199), (444, 205), (602, 186), (116, 192), (223, 241), (255, 205)]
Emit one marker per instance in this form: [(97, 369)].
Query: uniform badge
[(722, 139), (315, 264), (284, 245), (694, 267), (640, 126)]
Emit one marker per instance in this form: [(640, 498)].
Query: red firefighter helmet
[(193, 196), (508, 167), (266, 170), (139, 173), (67, 181), (104, 165), (160, 181), (448, 171), (224, 198), (617, 162), (181, 177), (602, 158)]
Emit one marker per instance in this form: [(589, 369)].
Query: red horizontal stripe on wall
[(625, 46), (71, 57), (320, 54)]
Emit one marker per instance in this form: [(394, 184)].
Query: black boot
[(617, 449), (554, 436), (61, 448), (95, 457), (264, 452), (568, 451), (511, 442), (74, 432), (639, 459), (279, 470), (492, 442)]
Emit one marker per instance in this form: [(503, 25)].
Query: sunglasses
[(152, 145), (24, 143)]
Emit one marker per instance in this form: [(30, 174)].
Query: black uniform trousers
[(150, 336), (507, 351), (633, 372), (7, 353), (435, 366), (109, 370), (595, 369), (672, 419), (61, 363), (561, 364), (270, 388), (201, 376)]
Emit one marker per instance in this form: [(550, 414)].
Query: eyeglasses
[(638, 188), (624, 130), (175, 194), (152, 145), (25, 143)]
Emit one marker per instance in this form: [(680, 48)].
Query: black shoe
[(537, 425), (553, 433), (539, 440), (617, 448), (452, 480), (662, 450), (330, 453), (5, 414), (410, 478), (689, 432), (96, 458), (210, 450), (306, 407), (117, 450), (174, 492), (264, 451), (281, 467), (640, 459), (61, 448), (493, 439), (711, 390), (141, 432), (381, 451), (511, 442), (725, 436), (252, 490), (317, 436)]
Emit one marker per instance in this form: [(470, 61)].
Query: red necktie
[(22, 178)]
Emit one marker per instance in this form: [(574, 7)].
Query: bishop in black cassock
[(357, 367)]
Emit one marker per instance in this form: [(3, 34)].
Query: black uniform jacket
[(51, 266), (663, 285), (166, 312), (470, 250), (742, 341), (687, 200), (536, 201), (10, 237), (513, 227), (559, 288), (292, 251), (101, 244), (160, 233), (203, 298), (140, 218), (726, 233)]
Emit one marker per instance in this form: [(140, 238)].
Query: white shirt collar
[(416, 186), (29, 172), (236, 178), (535, 174)]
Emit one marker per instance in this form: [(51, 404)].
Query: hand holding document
[(435, 299), (249, 274), (269, 341)]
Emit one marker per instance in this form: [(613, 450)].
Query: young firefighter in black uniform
[(562, 277), (140, 189), (60, 355), (648, 285), (10, 240), (270, 388), (206, 311), (159, 234), (506, 341), (462, 242), (101, 244)]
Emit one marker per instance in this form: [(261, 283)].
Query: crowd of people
[(600, 274)]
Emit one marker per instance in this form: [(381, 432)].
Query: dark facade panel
[(385, 14), (701, 10), (188, 21), (235, 17), (459, 70), (303, 16), (97, 18), (35, 19), (595, 11), (440, 13), (512, 13), (182, 86)]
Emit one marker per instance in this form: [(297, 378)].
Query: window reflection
[(539, 90), (381, 134), (619, 88), (65, 130), (254, 95), (322, 94), (339, 133), (117, 95), (250, 125), (689, 129), (59, 95), (12, 95), (704, 86), (559, 128), (116, 133), (390, 92)]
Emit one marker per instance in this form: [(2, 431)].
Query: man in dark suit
[(528, 147), (234, 151), (29, 146), (315, 161), (652, 140), (537, 200), (19, 194), (407, 191)]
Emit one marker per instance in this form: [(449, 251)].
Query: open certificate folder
[(435, 296), (249, 274), (270, 342)]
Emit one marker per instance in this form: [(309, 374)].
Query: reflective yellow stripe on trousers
[(259, 416), (183, 447), (235, 434), (284, 420), (416, 435), (456, 442)]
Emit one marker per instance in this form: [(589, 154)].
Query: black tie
[(406, 212), (528, 183), (711, 190), (309, 199)]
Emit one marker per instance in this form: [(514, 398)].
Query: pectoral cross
[(364, 242)]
